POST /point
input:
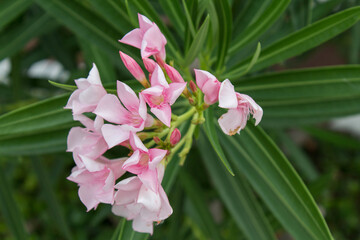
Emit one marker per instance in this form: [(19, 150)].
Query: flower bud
[(157, 140), (193, 86), (173, 74), (175, 137), (133, 68), (149, 64)]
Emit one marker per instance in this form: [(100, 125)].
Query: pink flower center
[(157, 100)]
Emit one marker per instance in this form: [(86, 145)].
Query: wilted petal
[(232, 121), (149, 199), (227, 95), (140, 225), (256, 110)]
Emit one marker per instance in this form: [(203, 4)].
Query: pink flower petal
[(174, 91), (158, 78), (144, 23), (127, 96), (133, 38), (149, 199), (156, 156), (111, 110), (115, 135), (140, 225), (136, 143), (202, 76), (163, 113), (227, 95), (150, 64), (150, 180), (256, 110), (153, 42), (94, 76)]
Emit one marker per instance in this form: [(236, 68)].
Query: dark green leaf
[(14, 40), (301, 41), (269, 172), (198, 43), (9, 208), (236, 195), (213, 138), (10, 9)]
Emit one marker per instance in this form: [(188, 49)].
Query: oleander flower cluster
[(143, 123)]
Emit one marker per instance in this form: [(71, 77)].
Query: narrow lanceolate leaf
[(271, 175), (175, 13), (305, 96), (34, 144), (15, 39), (225, 27), (85, 24), (38, 117), (54, 209), (236, 195), (263, 22), (9, 209), (301, 41), (63, 86), (337, 139), (253, 60), (10, 9), (197, 198), (198, 43), (213, 138), (114, 12), (299, 158)]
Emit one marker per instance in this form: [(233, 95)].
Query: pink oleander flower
[(148, 38), (150, 65), (173, 74), (144, 162), (240, 107), (96, 180), (175, 137), (132, 118), (88, 141), (161, 95), (209, 85), (134, 201), (133, 68), (88, 94)]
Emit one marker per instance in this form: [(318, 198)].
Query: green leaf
[(253, 60), (14, 40), (56, 213), (263, 22), (10, 9), (236, 195), (175, 13), (9, 208), (194, 193), (298, 157), (86, 24), (337, 139), (63, 86), (271, 175), (114, 12), (198, 43), (38, 117), (189, 19), (225, 23), (300, 41), (305, 96), (35, 144), (213, 138)]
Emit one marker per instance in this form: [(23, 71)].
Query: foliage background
[(37, 201)]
